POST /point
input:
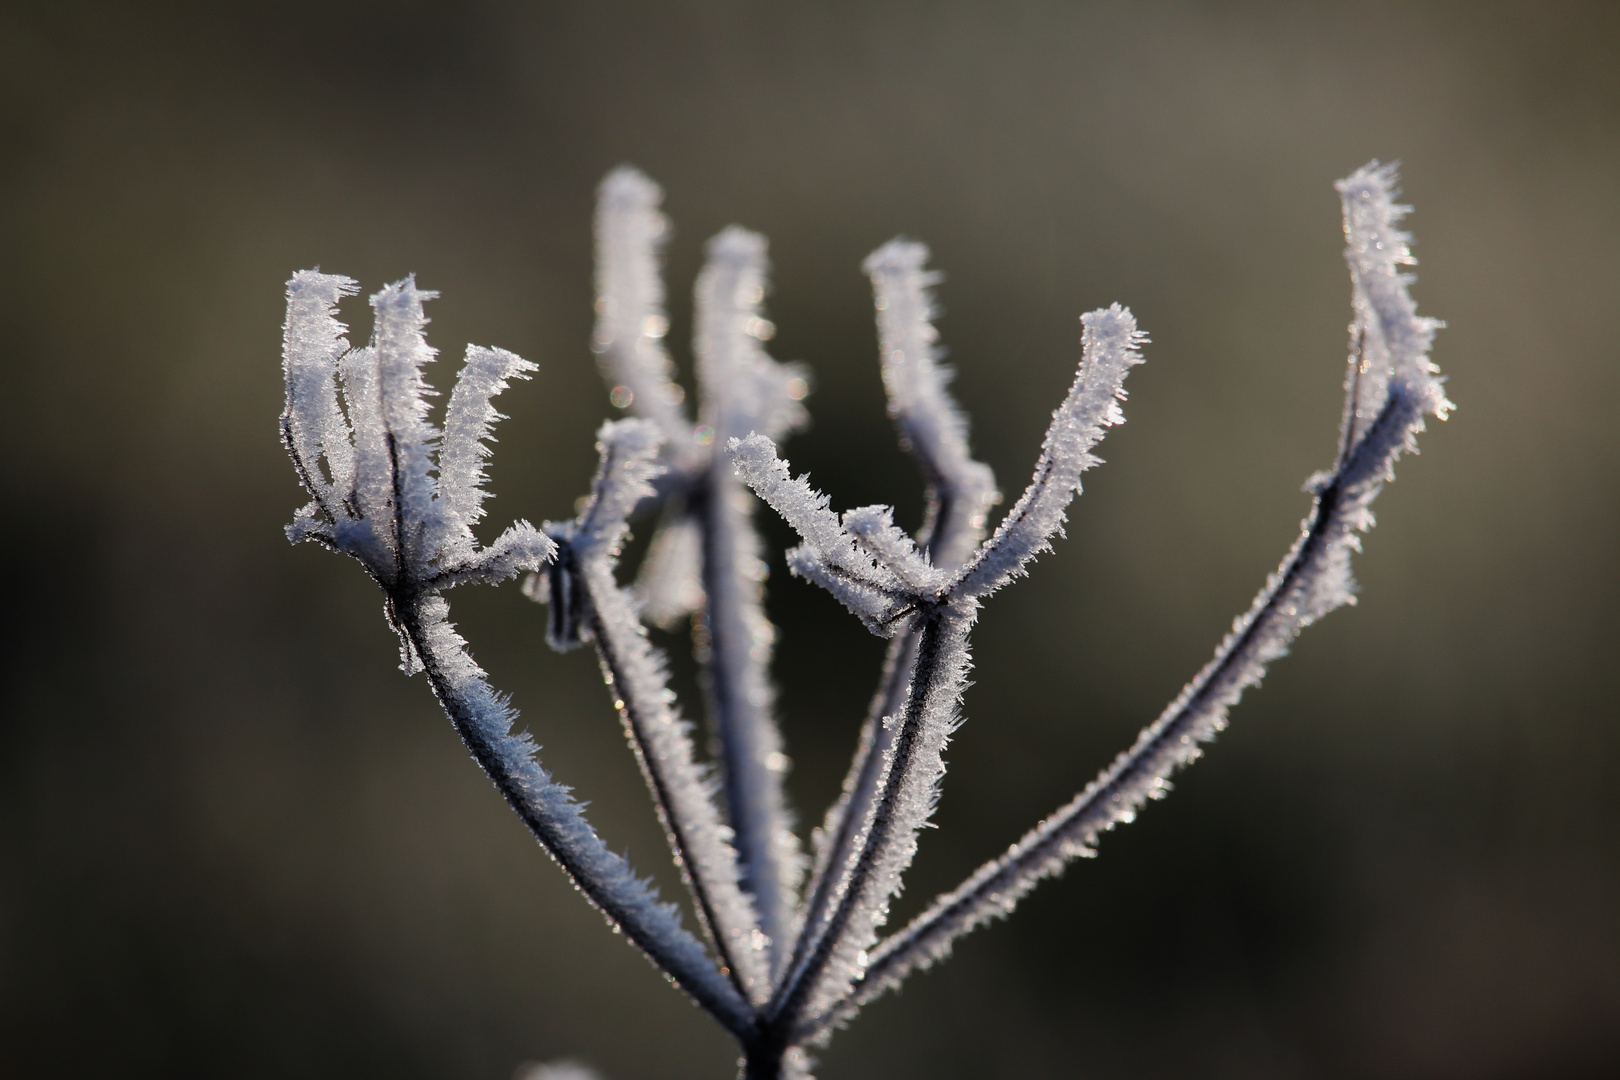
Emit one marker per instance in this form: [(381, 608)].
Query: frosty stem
[(400, 496), (699, 980), (1277, 615), (681, 789), (746, 738), (909, 768), (959, 491), (732, 941), (845, 816), (743, 389)]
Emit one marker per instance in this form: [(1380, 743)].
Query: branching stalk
[(598, 874), (400, 496), (682, 791), (1292, 598)]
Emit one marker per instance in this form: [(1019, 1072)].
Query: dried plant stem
[(400, 496), (736, 680), (886, 842), (1279, 612), (844, 817), (734, 942), (699, 982)]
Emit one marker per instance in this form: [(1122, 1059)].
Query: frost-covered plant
[(791, 947)]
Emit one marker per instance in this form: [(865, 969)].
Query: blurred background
[(235, 841)]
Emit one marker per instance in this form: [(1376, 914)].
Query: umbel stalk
[(781, 960)]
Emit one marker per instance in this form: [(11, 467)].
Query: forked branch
[(409, 528), (1390, 388), (390, 489)]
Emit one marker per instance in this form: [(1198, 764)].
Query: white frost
[(394, 492), (1391, 388), (313, 342), (743, 390), (669, 585), (404, 516), (468, 422), (630, 318), (830, 555), (683, 790), (932, 426), (1111, 346)]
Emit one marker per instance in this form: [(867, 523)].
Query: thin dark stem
[(834, 570), (896, 954), (899, 663), (635, 719), (399, 505), (306, 474), (848, 814), (763, 1061), (791, 997), (405, 607), (752, 791)]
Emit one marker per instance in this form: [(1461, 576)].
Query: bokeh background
[(236, 842)]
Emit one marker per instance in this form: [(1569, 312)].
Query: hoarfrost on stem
[(637, 679), (783, 966), (882, 561), (409, 528)]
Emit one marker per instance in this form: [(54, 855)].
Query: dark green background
[(236, 842)]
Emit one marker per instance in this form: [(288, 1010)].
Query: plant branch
[(1304, 587), (743, 389), (483, 720), (682, 791), (888, 839)]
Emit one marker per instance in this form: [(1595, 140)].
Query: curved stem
[(677, 798), (1282, 608), (687, 967), (845, 816), (883, 833), (747, 740)]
